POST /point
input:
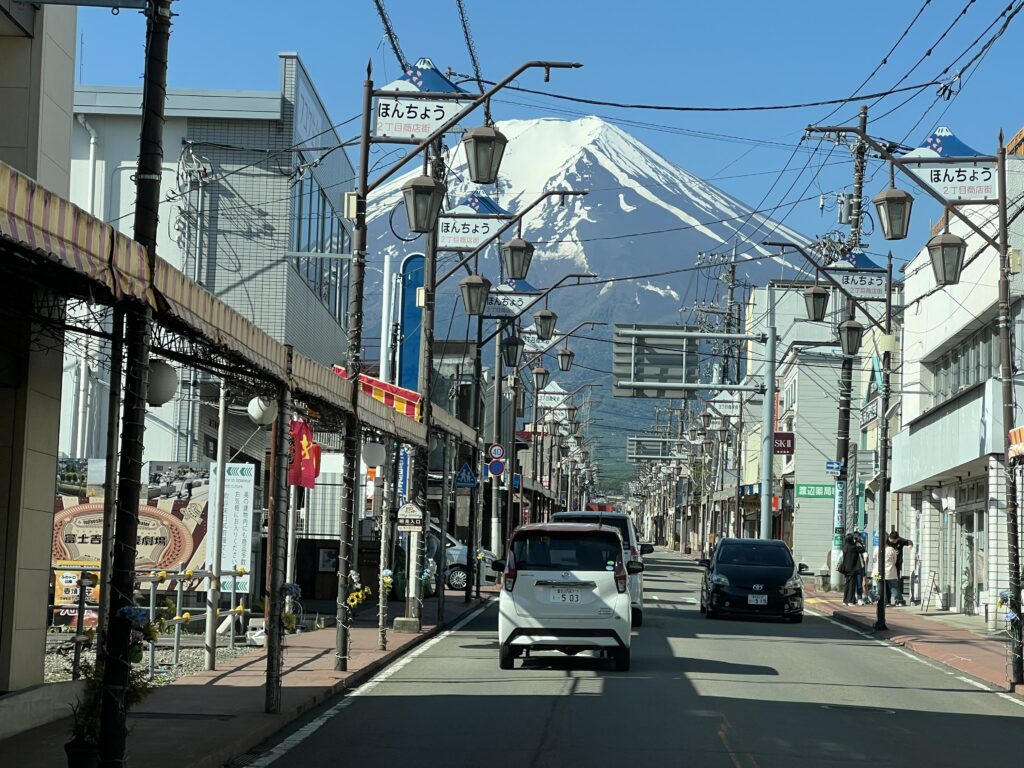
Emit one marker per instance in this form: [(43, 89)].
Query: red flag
[(302, 468)]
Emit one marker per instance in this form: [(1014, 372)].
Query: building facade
[(252, 181)]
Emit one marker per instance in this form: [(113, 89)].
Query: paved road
[(701, 693)]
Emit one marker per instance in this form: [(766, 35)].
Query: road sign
[(496, 451), (517, 480), (496, 467), (783, 444), (465, 477), (646, 356), (839, 505), (410, 118), (833, 467), (868, 284), (464, 234), (410, 518)]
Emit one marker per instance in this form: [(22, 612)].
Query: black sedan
[(752, 577)]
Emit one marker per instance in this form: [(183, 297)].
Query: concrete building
[(251, 179), (948, 455), (36, 80)]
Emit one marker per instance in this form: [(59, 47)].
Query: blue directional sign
[(465, 478), (833, 467)]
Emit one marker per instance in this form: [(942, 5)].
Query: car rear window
[(734, 554), (612, 522), (564, 550)]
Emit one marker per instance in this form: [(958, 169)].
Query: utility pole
[(496, 427), (353, 367), (117, 666), (840, 523), (768, 423)]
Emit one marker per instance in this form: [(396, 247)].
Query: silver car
[(632, 550)]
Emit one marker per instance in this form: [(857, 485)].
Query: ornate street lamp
[(723, 430), (541, 377), (423, 199), (565, 356), (705, 419), (850, 334), (484, 149), (512, 351), (572, 410), (893, 206), (693, 433), (947, 251), (544, 322), (816, 299), (475, 289), (516, 256)]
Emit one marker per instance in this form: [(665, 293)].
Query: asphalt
[(701, 692)]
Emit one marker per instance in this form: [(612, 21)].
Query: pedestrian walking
[(861, 589), (850, 565)]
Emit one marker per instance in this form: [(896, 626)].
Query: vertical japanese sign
[(236, 546), (410, 320)]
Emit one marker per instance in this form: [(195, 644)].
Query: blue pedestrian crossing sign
[(465, 478)]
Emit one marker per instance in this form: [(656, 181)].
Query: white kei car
[(565, 588)]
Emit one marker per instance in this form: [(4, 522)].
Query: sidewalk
[(204, 720), (958, 641)]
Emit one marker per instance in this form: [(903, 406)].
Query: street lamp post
[(484, 152), (946, 261)]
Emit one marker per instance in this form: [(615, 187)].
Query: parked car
[(455, 555), (565, 588), (753, 577), (632, 549)]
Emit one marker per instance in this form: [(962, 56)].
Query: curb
[(229, 753)]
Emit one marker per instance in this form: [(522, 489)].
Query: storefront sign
[(784, 443), (464, 234), (963, 181), (506, 303), (815, 490), (868, 413)]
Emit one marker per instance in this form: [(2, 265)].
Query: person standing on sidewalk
[(896, 543), (893, 591), (850, 566)]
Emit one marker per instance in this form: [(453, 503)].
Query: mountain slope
[(639, 230)]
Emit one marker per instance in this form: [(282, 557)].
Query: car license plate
[(559, 595), (757, 599)]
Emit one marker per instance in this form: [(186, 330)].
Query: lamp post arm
[(454, 120), (835, 283), (505, 321), (509, 223), (554, 341), (901, 165)]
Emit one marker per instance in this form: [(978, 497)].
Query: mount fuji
[(643, 215)]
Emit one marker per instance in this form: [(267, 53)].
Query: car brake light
[(634, 553), (509, 579), (621, 577)]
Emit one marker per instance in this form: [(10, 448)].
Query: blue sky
[(644, 51)]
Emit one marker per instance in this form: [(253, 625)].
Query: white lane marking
[(975, 683), (303, 733), (1010, 697)]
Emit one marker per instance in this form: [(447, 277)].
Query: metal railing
[(154, 576)]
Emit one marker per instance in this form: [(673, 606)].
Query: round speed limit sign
[(496, 451)]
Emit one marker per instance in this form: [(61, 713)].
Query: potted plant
[(83, 748)]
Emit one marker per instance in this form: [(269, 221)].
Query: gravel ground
[(190, 661)]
